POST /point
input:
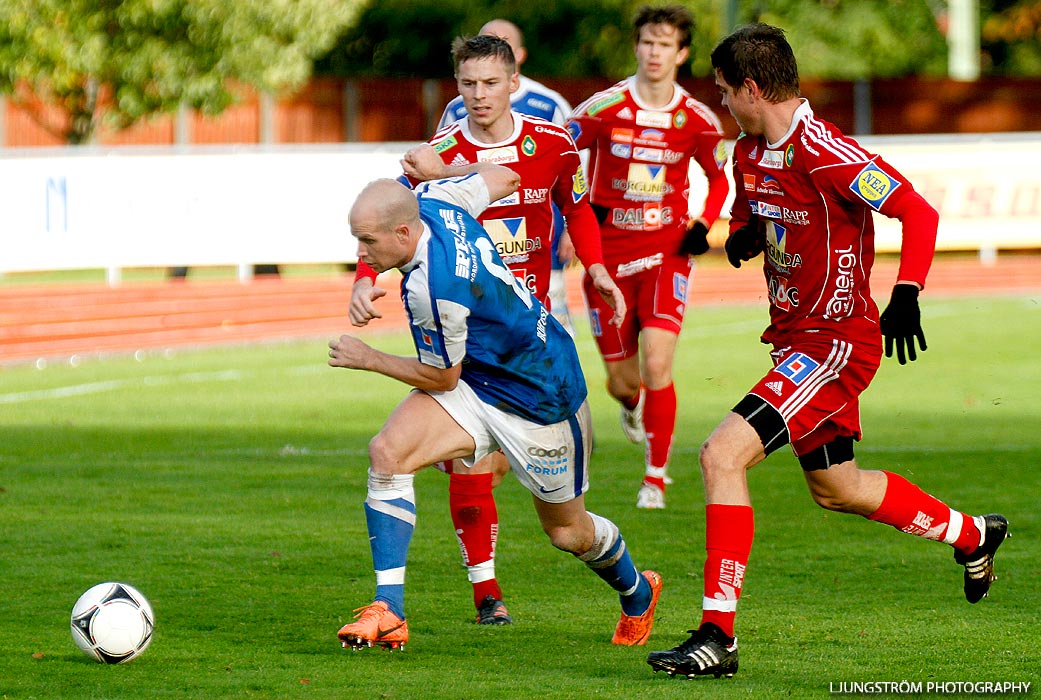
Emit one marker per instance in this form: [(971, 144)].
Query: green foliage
[(1011, 40), (129, 60), (228, 485), (564, 39), (851, 40)]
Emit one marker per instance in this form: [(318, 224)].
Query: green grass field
[(226, 484)]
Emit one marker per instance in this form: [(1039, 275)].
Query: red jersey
[(815, 191), (521, 225), (638, 167)]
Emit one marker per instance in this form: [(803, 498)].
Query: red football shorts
[(816, 388), (655, 290)]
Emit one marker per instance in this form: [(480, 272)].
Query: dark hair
[(483, 46), (676, 16), (760, 52)]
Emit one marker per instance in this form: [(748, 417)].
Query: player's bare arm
[(350, 353), (423, 163), (609, 291), (566, 249), (363, 294)]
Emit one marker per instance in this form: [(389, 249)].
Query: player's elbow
[(445, 384), (445, 380)]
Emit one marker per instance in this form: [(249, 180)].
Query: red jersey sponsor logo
[(840, 304), (658, 120), (873, 185), (645, 182), (622, 135), (774, 160), (650, 217), (782, 296)]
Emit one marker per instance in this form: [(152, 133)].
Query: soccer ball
[(112, 623)]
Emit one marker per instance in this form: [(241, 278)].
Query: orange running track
[(61, 321)]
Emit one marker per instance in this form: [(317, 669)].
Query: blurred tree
[(124, 60), (847, 40), (1011, 39), (580, 38), (397, 38), (568, 38)]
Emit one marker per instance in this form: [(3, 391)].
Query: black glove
[(745, 243), (902, 322), (696, 240)]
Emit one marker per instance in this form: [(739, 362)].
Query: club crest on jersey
[(789, 156), (645, 183), (679, 120), (528, 146), (797, 367), (873, 185)]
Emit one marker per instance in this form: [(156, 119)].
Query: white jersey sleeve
[(470, 192)]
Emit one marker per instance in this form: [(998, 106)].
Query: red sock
[(477, 527), (659, 421), (909, 509), (729, 530)]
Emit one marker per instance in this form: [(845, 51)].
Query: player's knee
[(563, 538), (716, 461), (833, 485), (383, 453), (657, 369), (839, 500), (622, 388)]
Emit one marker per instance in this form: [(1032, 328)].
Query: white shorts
[(552, 461)]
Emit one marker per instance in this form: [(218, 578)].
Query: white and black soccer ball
[(112, 623)]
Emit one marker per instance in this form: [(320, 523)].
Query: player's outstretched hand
[(695, 242), (745, 243), (348, 352), (362, 310), (901, 323), (609, 291)]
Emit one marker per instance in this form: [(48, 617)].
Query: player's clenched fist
[(349, 352), (361, 309)]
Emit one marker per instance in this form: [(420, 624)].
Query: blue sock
[(390, 513), (609, 558)]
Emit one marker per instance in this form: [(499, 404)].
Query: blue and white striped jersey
[(465, 306)]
